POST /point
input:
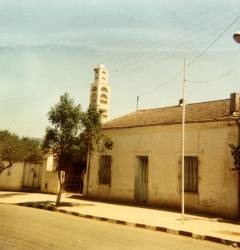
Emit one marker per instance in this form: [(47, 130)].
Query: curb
[(138, 225)]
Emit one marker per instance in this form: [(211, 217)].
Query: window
[(105, 169), (103, 96), (93, 97), (191, 174), (93, 100), (103, 99), (104, 89), (102, 111)]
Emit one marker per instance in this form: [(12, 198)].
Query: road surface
[(30, 228)]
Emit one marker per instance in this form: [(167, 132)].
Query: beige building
[(144, 165), (21, 176), (25, 176)]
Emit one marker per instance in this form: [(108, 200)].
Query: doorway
[(141, 180)]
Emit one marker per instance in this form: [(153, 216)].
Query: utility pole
[(183, 137), (138, 97)]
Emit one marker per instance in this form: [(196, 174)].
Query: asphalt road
[(30, 228)]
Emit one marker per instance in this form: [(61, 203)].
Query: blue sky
[(51, 47)]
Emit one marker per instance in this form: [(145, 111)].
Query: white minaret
[(100, 91)]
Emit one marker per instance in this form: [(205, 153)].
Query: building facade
[(144, 165)]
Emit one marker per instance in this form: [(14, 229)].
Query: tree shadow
[(53, 204)]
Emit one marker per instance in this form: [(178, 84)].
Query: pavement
[(198, 227)]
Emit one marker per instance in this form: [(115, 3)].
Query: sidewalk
[(199, 227)]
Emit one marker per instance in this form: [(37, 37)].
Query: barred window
[(191, 174), (105, 169)]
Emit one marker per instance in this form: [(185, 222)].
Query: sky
[(49, 47)]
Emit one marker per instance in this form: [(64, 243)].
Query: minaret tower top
[(100, 91)]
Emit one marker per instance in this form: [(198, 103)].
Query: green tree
[(62, 137), (33, 149), (14, 149), (74, 134)]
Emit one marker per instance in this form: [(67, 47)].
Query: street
[(30, 228)]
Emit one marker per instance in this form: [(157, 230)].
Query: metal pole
[(138, 97), (183, 138)]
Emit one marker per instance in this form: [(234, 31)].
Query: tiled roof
[(196, 112)]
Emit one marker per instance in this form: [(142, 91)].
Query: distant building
[(144, 165), (100, 91), (22, 176)]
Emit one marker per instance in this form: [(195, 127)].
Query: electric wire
[(142, 63), (196, 25), (177, 38), (164, 83), (224, 75), (214, 41), (196, 58)]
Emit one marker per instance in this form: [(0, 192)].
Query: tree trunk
[(62, 178), (88, 168), (2, 167), (59, 195)]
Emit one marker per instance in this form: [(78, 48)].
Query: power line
[(194, 59), (148, 92), (214, 41), (196, 25), (177, 37), (162, 84), (156, 56), (215, 79)]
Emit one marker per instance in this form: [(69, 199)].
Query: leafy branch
[(235, 150)]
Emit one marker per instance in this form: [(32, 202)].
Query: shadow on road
[(7, 195), (52, 204)]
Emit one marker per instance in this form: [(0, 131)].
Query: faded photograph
[(119, 124)]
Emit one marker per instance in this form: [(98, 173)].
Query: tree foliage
[(73, 135), (14, 149), (235, 150), (92, 137), (62, 137), (73, 132)]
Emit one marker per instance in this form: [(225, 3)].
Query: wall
[(218, 185), (11, 178), (16, 177), (49, 181)]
